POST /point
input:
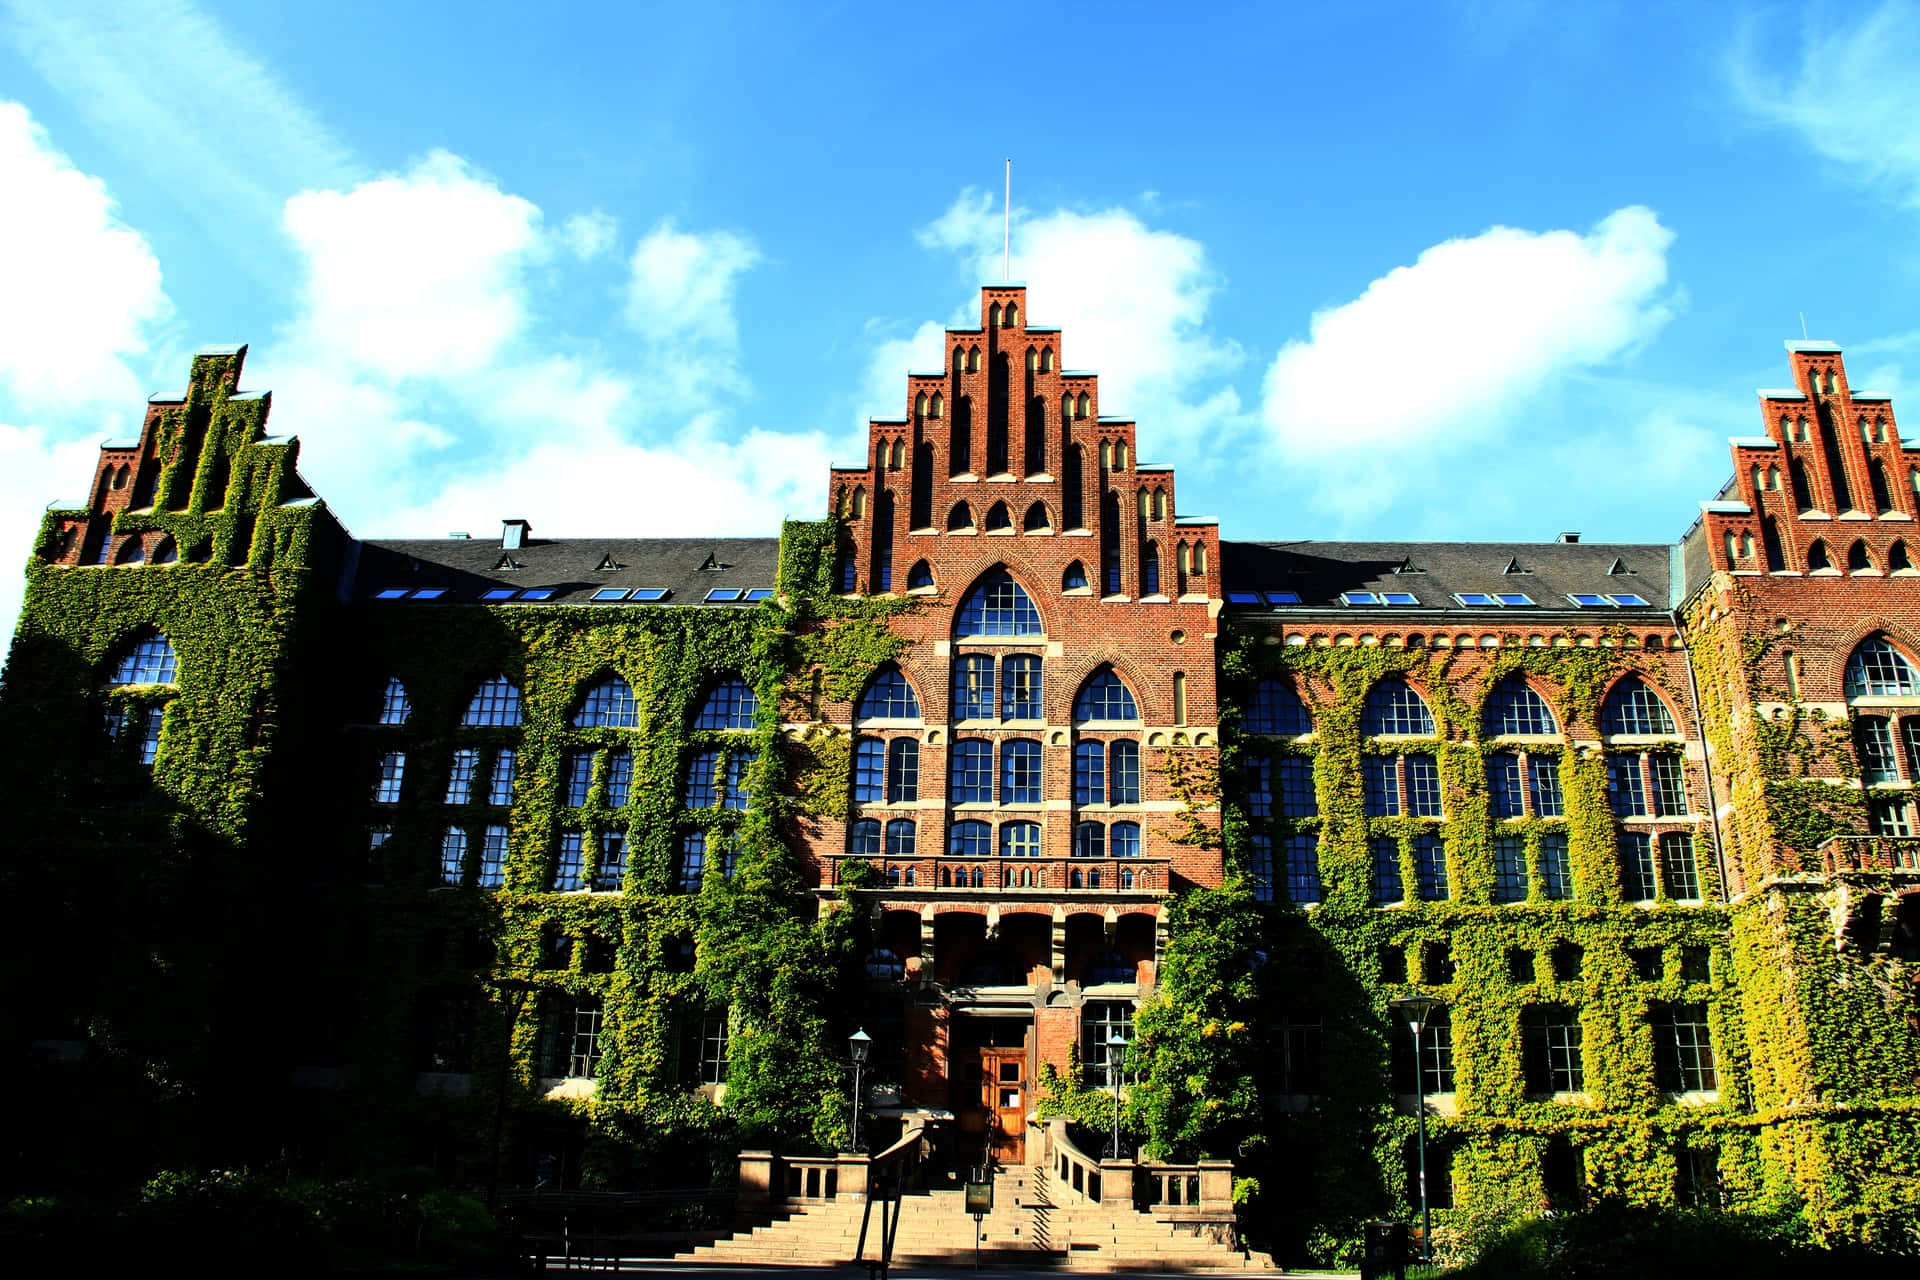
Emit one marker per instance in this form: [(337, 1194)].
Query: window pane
[(1544, 772), (1277, 709), (1636, 866), (1303, 870), (902, 838), (903, 770), (1873, 740), (1503, 779), (1877, 669), (731, 705), (1020, 840), (1430, 863), (1380, 778), (1514, 707), (571, 863), (1669, 785), (505, 760), (1102, 1022), (394, 706), (863, 838), (580, 777), (1509, 869), (1259, 786), (889, 697), (1551, 1050), (1260, 867), (393, 768), (1394, 706), (1632, 707), (453, 855), (869, 771), (970, 840), (150, 734), (1124, 757), (493, 856), (1090, 773), (1423, 786), (997, 607), (1089, 840), (972, 771), (1105, 697), (151, 661), (1387, 887), (1297, 799), (1683, 1049), (466, 761), (738, 763), (610, 874), (608, 705), (619, 778), (1020, 777), (1629, 792), (1020, 687), (1556, 870), (1123, 840), (1676, 858), (692, 866), (496, 703), (973, 687)]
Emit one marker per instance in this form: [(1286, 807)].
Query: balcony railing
[(953, 873), (1869, 853)]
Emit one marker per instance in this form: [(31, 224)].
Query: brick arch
[(1067, 675), (1652, 682), (1833, 671), (1024, 579), (1416, 683), (1551, 695)]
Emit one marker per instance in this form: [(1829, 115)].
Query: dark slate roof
[(467, 567), (1436, 571)]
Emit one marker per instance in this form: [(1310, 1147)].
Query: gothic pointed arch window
[(1066, 407), (1773, 479), (1882, 491), (997, 606), (1770, 539), (1036, 437), (937, 406), (1877, 669), (1072, 494), (1150, 569), (973, 359), (132, 551), (960, 364), (1395, 707), (1857, 561), (1802, 492), (993, 316), (1074, 578), (1633, 707), (857, 508), (1817, 557), (151, 660), (960, 437), (1277, 709), (1033, 360), (495, 704), (1036, 520), (1083, 405), (1046, 360), (888, 696), (961, 517), (1514, 707), (998, 517), (920, 405), (920, 577), (1104, 697), (1013, 313), (608, 704), (1898, 559)]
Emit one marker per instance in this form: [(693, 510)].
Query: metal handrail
[(899, 1160)]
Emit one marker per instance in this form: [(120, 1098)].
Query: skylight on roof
[(1587, 600), (1628, 600), (1515, 598), (649, 595), (430, 593), (757, 594), (1399, 597), (538, 593), (610, 593), (391, 593), (1359, 597), (724, 595), (1283, 597), (1476, 599), (1244, 597), (499, 593)]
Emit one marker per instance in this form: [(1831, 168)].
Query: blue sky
[(1449, 271)]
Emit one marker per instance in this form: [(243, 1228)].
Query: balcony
[(1869, 853), (949, 873)]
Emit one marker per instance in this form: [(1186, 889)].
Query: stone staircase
[(1027, 1228)]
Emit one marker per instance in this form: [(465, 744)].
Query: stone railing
[(1202, 1190), (772, 1183), (1869, 853), (951, 873)]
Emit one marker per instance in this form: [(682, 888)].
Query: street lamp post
[(857, 1045), (1416, 1010), (1116, 1046)]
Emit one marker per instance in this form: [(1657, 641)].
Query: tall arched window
[(495, 704), (888, 696), (1514, 707), (1110, 581), (1878, 670), (1897, 558), (1036, 520), (608, 705), (1150, 569), (731, 705), (395, 707), (997, 607), (1104, 697), (1802, 492), (1072, 499), (1770, 539), (1882, 492), (1857, 557), (998, 517), (920, 577), (1074, 577), (1036, 441), (1817, 557), (1633, 707), (150, 661), (960, 437), (1394, 706), (1277, 709), (961, 517)]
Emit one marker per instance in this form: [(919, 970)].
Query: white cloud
[(83, 293), (414, 274), (161, 83), (1853, 97), (680, 298), (1132, 303), (1441, 356), (588, 235)]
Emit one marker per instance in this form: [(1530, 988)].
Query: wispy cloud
[(168, 89)]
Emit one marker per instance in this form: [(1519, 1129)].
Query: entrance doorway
[(992, 1087)]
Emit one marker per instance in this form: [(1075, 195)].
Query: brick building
[(479, 811)]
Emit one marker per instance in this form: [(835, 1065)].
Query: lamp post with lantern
[(1116, 1047), (858, 1045), (1415, 1010)]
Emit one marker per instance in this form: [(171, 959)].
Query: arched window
[(1394, 706), (1020, 687), (1770, 539), (970, 839), (859, 507), (1897, 558), (1036, 520), (961, 517), (920, 405), (1104, 697), (1046, 360), (394, 704), (167, 552), (863, 838), (960, 437), (1089, 840), (993, 315), (1878, 670), (849, 567), (903, 770), (898, 458), (937, 406), (960, 365), (1075, 577), (1013, 313), (903, 839), (1066, 406), (1150, 569), (1857, 557), (1020, 840), (1277, 709), (888, 696), (1882, 493), (608, 705), (131, 552), (1514, 707), (496, 704), (731, 705), (998, 607), (150, 661), (920, 577), (1817, 557), (973, 359), (1773, 479), (1633, 707), (1123, 840), (998, 517), (1083, 405), (1110, 577), (1802, 492)]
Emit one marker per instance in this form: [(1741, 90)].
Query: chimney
[(514, 534), (1572, 535)]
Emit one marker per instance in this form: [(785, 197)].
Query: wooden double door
[(992, 1090)]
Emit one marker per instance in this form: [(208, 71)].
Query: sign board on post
[(979, 1198)]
